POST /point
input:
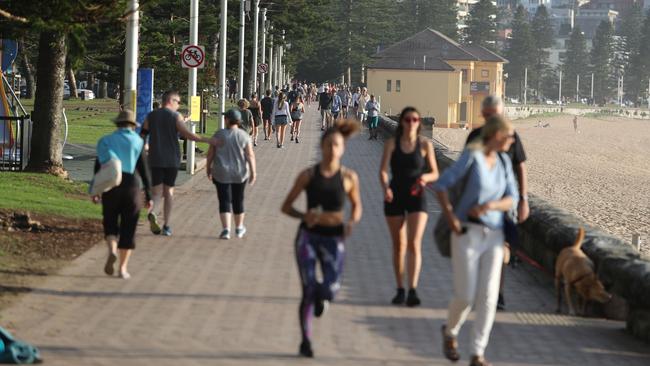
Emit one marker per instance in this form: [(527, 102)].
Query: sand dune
[(601, 173)]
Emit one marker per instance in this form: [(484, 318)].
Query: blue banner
[(9, 53), (145, 95)]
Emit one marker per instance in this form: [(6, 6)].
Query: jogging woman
[(280, 117), (121, 205), (477, 233), (323, 229), (230, 165), (256, 110), (412, 165), (297, 112)]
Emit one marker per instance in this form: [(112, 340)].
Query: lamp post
[(222, 62), (263, 76), (131, 59), (256, 12), (242, 27), (191, 84)]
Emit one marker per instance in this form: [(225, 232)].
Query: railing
[(15, 142)]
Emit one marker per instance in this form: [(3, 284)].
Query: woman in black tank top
[(412, 165), (323, 229)]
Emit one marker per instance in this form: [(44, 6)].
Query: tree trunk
[(28, 70), (90, 81), (103, 89), (46, 134), (72, 83)]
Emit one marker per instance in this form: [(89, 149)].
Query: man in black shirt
[(267, 109), (325, 107), (493, 105)]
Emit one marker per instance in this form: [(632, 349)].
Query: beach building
[(438, 76)]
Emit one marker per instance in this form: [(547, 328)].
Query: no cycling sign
[(193, 57)]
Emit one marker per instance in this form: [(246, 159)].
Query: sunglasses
[(411, 120), (176, 100)]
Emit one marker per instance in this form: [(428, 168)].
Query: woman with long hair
[(280, 117), (297, 112), (323, 228), (477, 237), (267, 109), (256, 109), (412, 165)]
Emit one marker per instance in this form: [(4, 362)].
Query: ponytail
[(346, 127)]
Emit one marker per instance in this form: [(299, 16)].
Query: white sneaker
[(225, 234), (240, 231)]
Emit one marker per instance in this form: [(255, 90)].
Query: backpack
[(13, 351)]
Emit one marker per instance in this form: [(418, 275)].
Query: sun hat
[(126, 115)]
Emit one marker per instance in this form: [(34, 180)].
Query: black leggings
[(231, 197), (121, 210)]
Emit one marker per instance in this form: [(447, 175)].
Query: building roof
[(428, 50)]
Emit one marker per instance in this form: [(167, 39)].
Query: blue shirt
[(336, 103), (123, 144), (483, 185)]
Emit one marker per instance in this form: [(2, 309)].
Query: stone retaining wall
[(549, 229)]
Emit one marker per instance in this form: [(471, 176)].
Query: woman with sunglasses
[(412, 165), (477, 237), (323, 229)]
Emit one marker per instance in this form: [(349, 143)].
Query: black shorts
[(404, 203), (166, 176)]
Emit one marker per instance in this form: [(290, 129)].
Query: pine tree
[(642, 74), (575, 62), (601, 61), (440, 15), (520, 52), (542, 28), (631, 30), (481, 25)]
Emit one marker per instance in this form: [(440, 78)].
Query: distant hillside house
[(438, 76)]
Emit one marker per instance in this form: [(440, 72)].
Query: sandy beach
[(601, 173)]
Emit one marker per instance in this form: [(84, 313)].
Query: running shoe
[(320, 307), (125, 275), (305, 349), (240, 231), (110, 262), (297, 140), (412, 299), (166, 230), (153, 223), (225, 234), (399, 297), (501, 303)]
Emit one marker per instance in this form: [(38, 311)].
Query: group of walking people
[(476, 217)]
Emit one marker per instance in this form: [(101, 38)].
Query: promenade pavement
[(197, 300)]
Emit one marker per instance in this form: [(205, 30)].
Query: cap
[(233, 115), (125, 116)]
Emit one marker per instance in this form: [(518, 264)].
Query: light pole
[(222, 62), (578, 88), (256, 14), (525, 86), (560, 89), (131, 60), (191, 84), (242, 26), (271, 61), (592, 88), (263, 76)]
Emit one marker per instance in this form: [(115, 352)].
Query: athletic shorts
[(281, 120), (404, 203), (166, 176)]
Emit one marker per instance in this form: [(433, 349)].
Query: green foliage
[(630, 29), (575, 62), (601, 61), (481, 25), (543, 32), (520, 52)]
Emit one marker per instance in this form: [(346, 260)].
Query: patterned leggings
[(329, 251)]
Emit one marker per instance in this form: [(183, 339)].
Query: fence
[(15, 142)]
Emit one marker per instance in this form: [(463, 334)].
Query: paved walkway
[(196, 300)]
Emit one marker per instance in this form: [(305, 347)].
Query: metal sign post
[(193, 56)]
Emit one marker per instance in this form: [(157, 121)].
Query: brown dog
[(576, 270)]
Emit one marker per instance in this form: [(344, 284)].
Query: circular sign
[(262, 68), (192, 56)]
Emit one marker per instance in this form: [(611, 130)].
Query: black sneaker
[(305, 349), (501, 303), (412, 299), (320, 307), (399, 297)]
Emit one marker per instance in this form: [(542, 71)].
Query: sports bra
[(328, 193), (406, 168)]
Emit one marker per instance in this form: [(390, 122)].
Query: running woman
[(412, 164), (280, 117), (323, 229), (297, 112), (121, 205), (256, 109), (267, 109)]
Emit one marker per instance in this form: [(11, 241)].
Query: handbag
[(13, 351), (442, 231), (107, 177)]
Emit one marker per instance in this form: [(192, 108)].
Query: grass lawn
[(43, 193)]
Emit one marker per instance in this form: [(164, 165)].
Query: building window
[(485, 73), (388, 85), (398, 85), (465, 75)]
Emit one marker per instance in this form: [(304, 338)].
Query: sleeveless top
[(329, 194), (406, 168)]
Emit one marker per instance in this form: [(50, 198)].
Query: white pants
[(476, 258)]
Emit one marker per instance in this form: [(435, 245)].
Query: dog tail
[(580, 238)]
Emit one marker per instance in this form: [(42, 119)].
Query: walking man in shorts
[(163, 127)]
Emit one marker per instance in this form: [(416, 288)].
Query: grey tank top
[(164, 151)]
